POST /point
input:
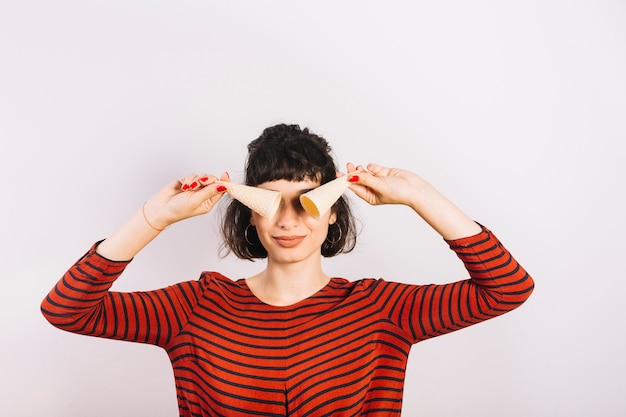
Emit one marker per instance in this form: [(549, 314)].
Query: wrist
[(152, 219), (421, 194)]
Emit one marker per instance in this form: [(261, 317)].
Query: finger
[(206, 197), (361, 182), (193, 182), (221, 187), (206, 179), (363, 192), (354, 172), (363, 177), (187, 182), (377, 169)]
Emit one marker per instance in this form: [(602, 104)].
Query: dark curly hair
[(290, 153)]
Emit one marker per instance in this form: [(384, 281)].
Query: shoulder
[(215, 279), (216, 283)]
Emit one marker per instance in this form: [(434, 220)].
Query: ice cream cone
[(262, 201), (319, 200)]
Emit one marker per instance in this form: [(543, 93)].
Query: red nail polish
[(193, 185), (203, 179), (354, 178), (221, 188), (185, 187)]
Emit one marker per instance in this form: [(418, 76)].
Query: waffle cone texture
[(262, 201), (319, 200)]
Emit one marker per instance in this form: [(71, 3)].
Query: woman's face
[(292, 235)]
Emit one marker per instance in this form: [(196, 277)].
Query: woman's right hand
[(191, 196), (188, 197)]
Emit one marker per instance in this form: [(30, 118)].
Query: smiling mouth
[(288, 241)]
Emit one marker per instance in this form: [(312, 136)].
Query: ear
[(333, 217), (252, 221)]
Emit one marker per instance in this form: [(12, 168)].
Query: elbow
[(52, 313), (518, 293), (528, 288), (62, 317)]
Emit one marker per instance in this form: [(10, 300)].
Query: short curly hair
[(290, 153)]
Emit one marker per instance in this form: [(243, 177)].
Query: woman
[(289, 341)]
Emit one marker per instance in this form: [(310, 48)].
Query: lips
[(288, 241)]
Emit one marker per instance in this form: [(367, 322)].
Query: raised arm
[(381, 185), (81, 302), (191, 196), (497, 283)]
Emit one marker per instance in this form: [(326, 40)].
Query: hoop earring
[(245, 235), (332, 242)]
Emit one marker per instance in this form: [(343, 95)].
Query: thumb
[(367, 178), (378, 170), (364, 184)]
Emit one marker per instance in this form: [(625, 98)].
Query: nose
[(287, 215)]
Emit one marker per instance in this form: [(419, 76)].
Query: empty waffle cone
[(319, 200), (262, 201)]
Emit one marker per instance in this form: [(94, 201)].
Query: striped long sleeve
[(82, 303), (341, 352), (498, 284)]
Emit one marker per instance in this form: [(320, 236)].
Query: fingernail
[(193, 185), (203, 179), (185, 187), (221, 188), (354, 178)]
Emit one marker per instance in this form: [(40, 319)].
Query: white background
[(516, 110)]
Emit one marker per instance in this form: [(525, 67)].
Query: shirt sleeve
[(497, 284), (81, 302)]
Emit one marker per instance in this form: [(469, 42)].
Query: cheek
[(256, 219), (326, 220), (319, 226), (261, 224)]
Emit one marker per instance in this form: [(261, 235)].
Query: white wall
[(516, 110)]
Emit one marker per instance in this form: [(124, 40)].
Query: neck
[(283, 284)]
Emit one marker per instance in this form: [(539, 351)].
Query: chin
[(293, 255)]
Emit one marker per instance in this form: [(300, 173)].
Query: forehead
[(290, 187)]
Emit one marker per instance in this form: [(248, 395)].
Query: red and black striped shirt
[(341, 352)]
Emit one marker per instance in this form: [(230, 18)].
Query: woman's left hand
[(382, 185)]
